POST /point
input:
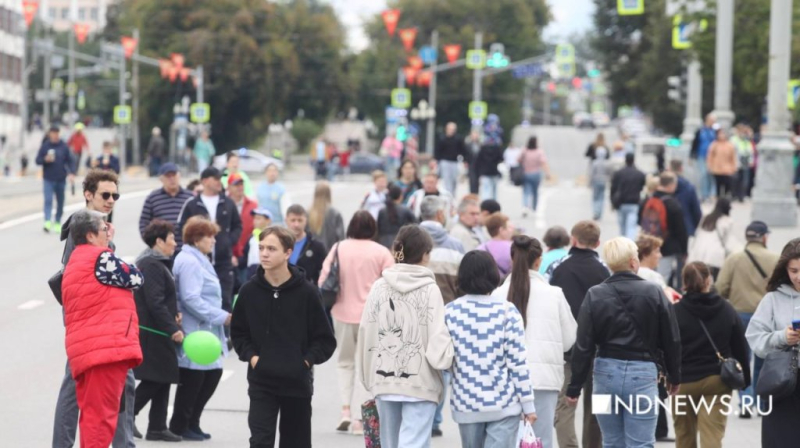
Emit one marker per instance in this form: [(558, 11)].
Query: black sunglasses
[(106, 195)]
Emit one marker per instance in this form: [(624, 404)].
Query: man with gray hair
[(466, 229), (445, 260)]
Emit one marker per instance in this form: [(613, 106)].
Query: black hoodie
[(283, 326), (698, 359)]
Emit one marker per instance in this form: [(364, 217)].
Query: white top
[(712, 247), (211, 203), (399, 398), (652, 276)]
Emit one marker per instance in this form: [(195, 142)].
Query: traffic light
[(593, 73), (577, 82), (497, 57), (677, 90), (402, 133)]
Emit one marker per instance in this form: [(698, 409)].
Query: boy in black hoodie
[(280, 329)]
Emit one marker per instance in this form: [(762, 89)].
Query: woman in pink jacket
[(722, 163), (361, 262)]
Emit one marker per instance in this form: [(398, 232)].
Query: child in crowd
[(262, 218), (376, 199)]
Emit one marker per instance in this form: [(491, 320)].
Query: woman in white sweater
[(550, 329), (714, 238)]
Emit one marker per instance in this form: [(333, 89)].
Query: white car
[(250, 161)]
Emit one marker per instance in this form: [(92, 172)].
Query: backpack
[(654, 218)]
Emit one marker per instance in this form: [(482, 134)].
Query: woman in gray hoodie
[(770, 330)]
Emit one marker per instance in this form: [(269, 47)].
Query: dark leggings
[(194, 391), (724, 185), (158, 396)]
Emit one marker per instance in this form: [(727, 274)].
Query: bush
[(305, 131)]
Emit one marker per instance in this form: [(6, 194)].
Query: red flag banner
[(407, 36), (81, 31), (177, 60), (129, 45), (390, 19), (452, 52), (29, 8), (424, 78), (163, 66), (415, 61), (172, 73), (184, 74), (410, 74)]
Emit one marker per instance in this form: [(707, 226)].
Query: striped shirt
[(160, 205)]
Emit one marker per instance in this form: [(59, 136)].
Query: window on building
[(51, 12), (94, 13), (5, 19), (65, 13), (81, 13)]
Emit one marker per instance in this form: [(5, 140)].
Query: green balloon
[(202, 347)]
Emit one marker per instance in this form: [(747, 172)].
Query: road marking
[(30, 304), (225, 375), (67, 209)]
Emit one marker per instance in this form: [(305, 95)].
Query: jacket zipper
[(130, 321)]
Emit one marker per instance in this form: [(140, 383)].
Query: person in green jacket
[(204, 151), (233, 167)]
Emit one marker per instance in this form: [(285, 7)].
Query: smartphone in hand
[(796, 325)]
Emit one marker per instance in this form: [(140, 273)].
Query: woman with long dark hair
[(534, 163), (550, 328), (714, 239), (771, 330), (408, 179), (393, 216)]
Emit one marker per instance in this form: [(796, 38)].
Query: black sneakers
[(165, 436)]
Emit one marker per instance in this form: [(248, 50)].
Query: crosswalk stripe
[(31, 304)]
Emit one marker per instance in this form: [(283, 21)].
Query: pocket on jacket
[(294, 367)]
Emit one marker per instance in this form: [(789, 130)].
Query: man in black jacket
[(676, 239), (214, 205), (626, 190), (307, 253), (280, 330), (446, 153), (575, 274)]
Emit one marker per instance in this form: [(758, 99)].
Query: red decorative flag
[(81, 31), (551, 86), (415, 61), (452, 52), (424, 78), (172, 73), (410, 73), (163, 66), (195, 82), (29, 8), (177, 60), (390, 19), (129, 45), (407, 36), (184, 74)]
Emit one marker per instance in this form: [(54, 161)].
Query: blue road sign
[(428, 54), (527, 71)]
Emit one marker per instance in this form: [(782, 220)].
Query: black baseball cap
[(54, 128), (756, 229), (211, 172), (168, 167)]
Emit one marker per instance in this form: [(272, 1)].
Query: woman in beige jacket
[(722, 163)]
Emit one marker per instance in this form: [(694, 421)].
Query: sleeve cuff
[(573, 391), (528, 407)]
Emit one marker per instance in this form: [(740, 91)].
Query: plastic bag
[(529, 439)]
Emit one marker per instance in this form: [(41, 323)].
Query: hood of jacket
[(703, 304), (297, 279), (436, 231), (152, 253), (788, 292), (405, 278)]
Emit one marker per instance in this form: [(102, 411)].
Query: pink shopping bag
[(529, 439)]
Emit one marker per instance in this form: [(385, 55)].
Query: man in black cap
[(214, 205), (166, 202), (743, 281), (58, 166)]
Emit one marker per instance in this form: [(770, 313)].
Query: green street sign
[(478, 110), (200, 112), (401, 98), (71, 89), (81, 100), (565, 54), (476, 59), (793, 93), (122, 114), (57, 85), (630, 7), (566, 69)]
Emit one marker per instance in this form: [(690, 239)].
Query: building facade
[(57, 13), (12, 47)]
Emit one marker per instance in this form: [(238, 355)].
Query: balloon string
[(151, 330)]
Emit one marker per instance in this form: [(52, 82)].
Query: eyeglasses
[(108, 195), (105, 229)]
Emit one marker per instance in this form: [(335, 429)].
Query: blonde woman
[(325, 221)]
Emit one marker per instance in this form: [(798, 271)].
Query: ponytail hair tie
[(398, 254)]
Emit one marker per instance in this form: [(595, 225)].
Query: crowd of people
[(431, 291)]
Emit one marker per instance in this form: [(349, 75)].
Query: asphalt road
[(32, 334)]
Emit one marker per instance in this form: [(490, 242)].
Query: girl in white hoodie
[(550, 329), (403, 343)]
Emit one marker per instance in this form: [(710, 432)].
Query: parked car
[(250, 161), (601, 119), (366, 163), (582, 120)]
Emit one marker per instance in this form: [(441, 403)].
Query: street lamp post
[(723, 74), (424, 112)]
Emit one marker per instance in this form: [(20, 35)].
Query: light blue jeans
[(530, 190), (438, 418), (757, 364), (628, 215), (489, 187), (448, 171), (627, 382), (499, 434), (598, 199), (54, 188), (405, 424), (545, 402), (708, 187)]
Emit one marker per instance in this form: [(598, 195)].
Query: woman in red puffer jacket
[(102, 337)]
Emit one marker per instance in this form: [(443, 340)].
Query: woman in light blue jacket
[(200, 303)]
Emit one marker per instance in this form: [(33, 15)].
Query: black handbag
[(730, 371), (517, 174), (778, 377), (329, 290), (55, 284)]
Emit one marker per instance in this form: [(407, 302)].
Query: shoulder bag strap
[(755, 263), (708, 335)]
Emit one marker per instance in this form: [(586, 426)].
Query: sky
[(569, 16)]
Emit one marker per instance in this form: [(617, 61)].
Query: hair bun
[(522, 241)]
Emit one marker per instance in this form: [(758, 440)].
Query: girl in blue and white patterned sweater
[(491, 381)]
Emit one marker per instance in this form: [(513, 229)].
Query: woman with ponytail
[(550, 328)]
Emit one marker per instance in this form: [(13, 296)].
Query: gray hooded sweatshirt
[(766, 332)]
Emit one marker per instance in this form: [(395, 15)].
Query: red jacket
[(77, 142), (247, 226), (102, 324)]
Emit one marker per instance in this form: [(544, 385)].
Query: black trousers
[(662, 427), (226, 281), (195, 389), (474, 179), (295, 424), (724, 186), (158, 396)]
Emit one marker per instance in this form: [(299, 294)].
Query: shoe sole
[(343, 426)]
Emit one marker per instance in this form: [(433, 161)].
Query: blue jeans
[(438, 418), (530, 190), (405, 424), (756, 364), (598, 199), (489, 187), (57, 188), (448, 171), (623, 382), (628, 215), (498, 434), (708, 187), (545, 402)]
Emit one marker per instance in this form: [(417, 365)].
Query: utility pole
[(476, 74), (723, 75), (201, 84), (135, 144), (401, 79), (546, 117), (73, 15), (773, 198), (122, 152), (47, 56), (694, 108), (431, 125), (527, 104)]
